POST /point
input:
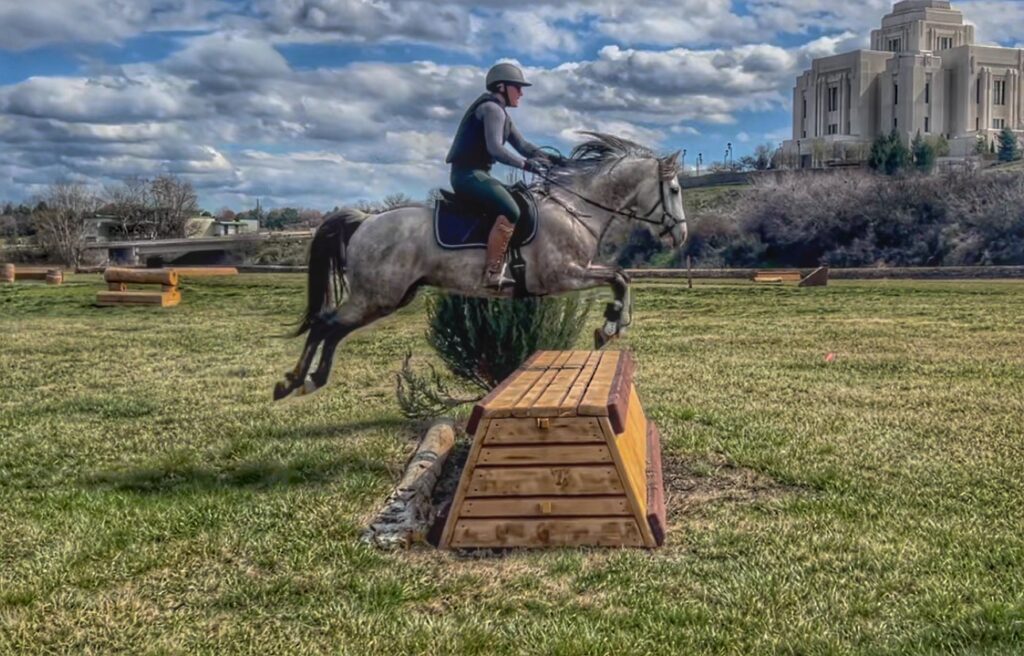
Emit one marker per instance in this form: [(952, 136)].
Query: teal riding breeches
[(478, 186)]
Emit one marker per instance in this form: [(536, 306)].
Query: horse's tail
[(328, 260)]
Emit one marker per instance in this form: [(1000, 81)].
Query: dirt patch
[(692, 484)]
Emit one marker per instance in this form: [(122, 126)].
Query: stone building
[(924, 73)]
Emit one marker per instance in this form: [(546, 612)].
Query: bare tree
[(130, 202), (61, 223), (174, 203)]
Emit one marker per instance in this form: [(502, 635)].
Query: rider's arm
[(516, 140), (494, 132)]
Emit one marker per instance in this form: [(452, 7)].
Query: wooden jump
[(817, 278), (118, 293), (10, 273), (204, 272), (563, 455)]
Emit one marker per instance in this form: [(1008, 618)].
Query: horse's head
[(640, 185), (659, 200)]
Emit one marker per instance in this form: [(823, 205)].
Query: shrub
[(482, 341)]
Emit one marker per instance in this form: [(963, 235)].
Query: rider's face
[(514, 94)]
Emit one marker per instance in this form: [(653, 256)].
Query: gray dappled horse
[(364, 267)]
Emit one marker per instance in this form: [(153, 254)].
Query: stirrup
[(498, 281)]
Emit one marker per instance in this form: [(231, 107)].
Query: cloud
[(35, 23)]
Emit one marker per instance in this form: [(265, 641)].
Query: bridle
[(666, 220)]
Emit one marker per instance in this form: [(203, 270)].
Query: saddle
[(460, 224)]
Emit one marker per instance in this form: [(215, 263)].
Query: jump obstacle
[(118, 279), (10, 273), (562, 455), (817, 278)]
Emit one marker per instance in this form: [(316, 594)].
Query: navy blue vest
[(469, 150)]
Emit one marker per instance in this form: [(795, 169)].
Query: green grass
[(153, 499)]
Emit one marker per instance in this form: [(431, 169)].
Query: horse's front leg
[(616, 313)]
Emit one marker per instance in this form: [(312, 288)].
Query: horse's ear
[(673, 159), (670, 165)]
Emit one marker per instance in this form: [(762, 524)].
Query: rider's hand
[(537, 165), (556, 159)]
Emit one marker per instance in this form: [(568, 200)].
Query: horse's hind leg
[(350, 318), (294, 379)]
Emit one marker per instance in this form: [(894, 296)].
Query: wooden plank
[(543, 360), (590, 531), (637, 505), (461, 490), (553, 454), (619, 395), (205, 272), (542, 481), (569, 430), (632, 447), (610, 506), (519, 384), (522, 407), (572, 399), (478, 410), (657, 516), (550, 403), (595, 400), (162, 299), (578, 358)]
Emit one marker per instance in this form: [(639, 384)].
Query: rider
[(479, 143)]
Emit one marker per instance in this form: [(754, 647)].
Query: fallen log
[(408, 513)]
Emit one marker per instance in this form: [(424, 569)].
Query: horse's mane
[(602, 152)]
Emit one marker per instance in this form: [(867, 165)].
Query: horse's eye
[(675, 190)]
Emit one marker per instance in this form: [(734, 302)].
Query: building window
[(833, 99), (977, 124), (977, 92), (895, 94), (945, 42), (804, 134), (998, 123), (833, 128), (927, 124), (999, 91), (895, 123), (895, 45), (805, 107), (928, 93)]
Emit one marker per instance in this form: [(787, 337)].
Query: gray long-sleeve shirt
[(499, 128)]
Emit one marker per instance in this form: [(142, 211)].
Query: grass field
[(153, 500)]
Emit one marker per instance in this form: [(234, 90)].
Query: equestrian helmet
[(507, 73)]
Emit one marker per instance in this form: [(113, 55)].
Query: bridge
[(129, 252)]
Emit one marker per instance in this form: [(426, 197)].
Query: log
[(166, 277), (205, 272), (408, 513), (7, 273), (54, 277)]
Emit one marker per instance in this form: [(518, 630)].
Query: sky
[(322, 103)]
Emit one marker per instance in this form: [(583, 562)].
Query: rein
[(667, 227)]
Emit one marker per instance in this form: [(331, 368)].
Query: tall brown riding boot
[(497, 244)]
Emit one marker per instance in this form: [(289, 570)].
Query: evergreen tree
[(924, 154), (879, 153), (1008, 147), (899, 155)]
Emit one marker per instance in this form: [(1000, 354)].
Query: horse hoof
[(599, 339), (281, 391)]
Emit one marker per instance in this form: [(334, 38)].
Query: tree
[(981, 145), (924, 154), (879, 153), (899, 155), (1009, 150), (60, 224), (174, 203), (940, 145)]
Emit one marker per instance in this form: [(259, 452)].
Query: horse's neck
[(609, 190)]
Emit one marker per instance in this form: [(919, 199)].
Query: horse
[(365, 267)]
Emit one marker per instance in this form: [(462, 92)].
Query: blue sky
[(318, 103)]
